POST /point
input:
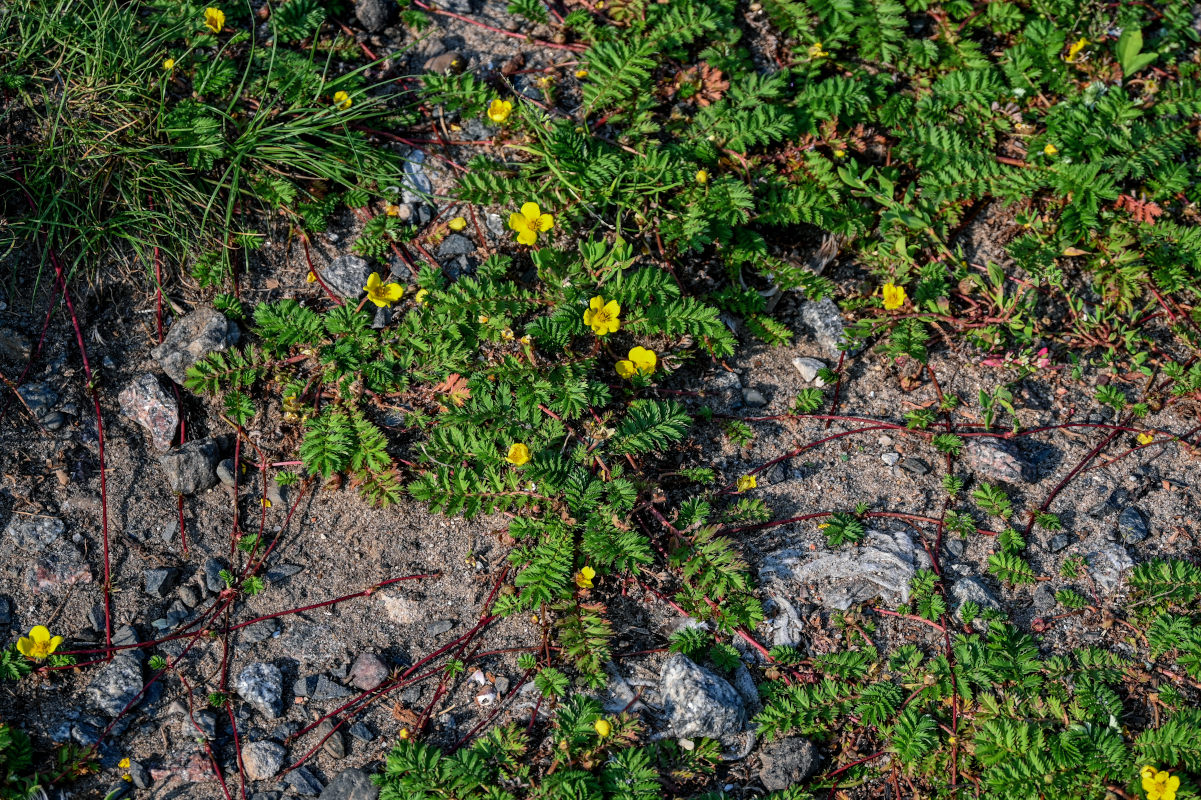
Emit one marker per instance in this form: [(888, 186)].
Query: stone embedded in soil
[(282, 572), (808, 367), (191, 468), (997, 460), (881, 566), (351, 784), (335, 745), (262, 686), (890, 459), (972, 589), (1114, 501), (346, 276), (375, 15), (825, 320), (39, 398), (225, 472), (139, 775), (361, 732), (14, 347), (116, 684), (204, 719), (193, 767), (698, 702), (955, 547), (416, 184), (368, 671), (192, 338), (262, 760), (1132, 526), (753, 398), (145, 402), (450, 63), (301, 781), (259, 632), (1058, 542), (915, 466), (439, 626), (212, 575), (34, 533), (786, 762), (319, 687), (1107, 565), (160, 580), (53, 421), (57, 569), (189, 596), (6, 611), (456, 244)]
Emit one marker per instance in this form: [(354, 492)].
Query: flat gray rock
[(192, 467), (786, 762), (825, 320), (351, 784), (34, 533), (116, 684), (1107, 565), (698, 702), (996, 460), (191, 338), (262, 760), (972, 589), (262, 686), (346, 276)]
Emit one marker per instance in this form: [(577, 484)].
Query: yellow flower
[(602, 317), (746, 483), (342, 100), (419, 299), (506, 333), (530, 222), (840, 153), (38, 644), (457, 224), (894, 297), (702, 177), (214, 19), (641, 362), (499, 110), (1159, 784), (583, 578), (483, 319), (518, 454), (383, 294), (311, 277), (1145, 438), (124, 763), (527, 340), (581, 73), (603, 728), (816, 51), (404, 733), (1050, 149), (1075, 49), (168, 64), (391, 209)]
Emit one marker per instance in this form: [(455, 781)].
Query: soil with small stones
[(331, 544)]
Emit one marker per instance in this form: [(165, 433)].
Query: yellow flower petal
[(342, 100), (626, 369), (1145, 438), (531, 212), (583, 578), (499, 110), (1050, 149), (527, 237), (702, 176), (894, 297), (603, 728), (419, 298), (545, 222), (168, 63), (457, 224), (747, 482), (518, 454), (644, 360), (214, 19)]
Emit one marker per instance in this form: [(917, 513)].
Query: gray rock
[(346, 276), (375, 15), (1114, 501), (267, 796), (351, 784), (124, 636), (753, 398), (955, 546), (1132, 527), (881, 566), (262, 685), (915, 466), (262, 760), (997, 460), (1058, 542), (495, 224), (145, 402), (972, 589), (60, 567), (786, 762), (281, 572), (34, 533), (191, 468), (1043, 599), (808, 367), (116, 684), (53, 421), (189, 596), (825, 320), (368, 671), (160, 580), (212, 575), (439, 626), (259, 631), (456, 244), (319, 687), (14, 347), (698, 702), (361, 732), (190, 339), (1107, 565), (890, 458), (335, 745), (225, 472), (6, 611), (139, 775), (39, 398), (415, 183), (205, 720), (301, 781)]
